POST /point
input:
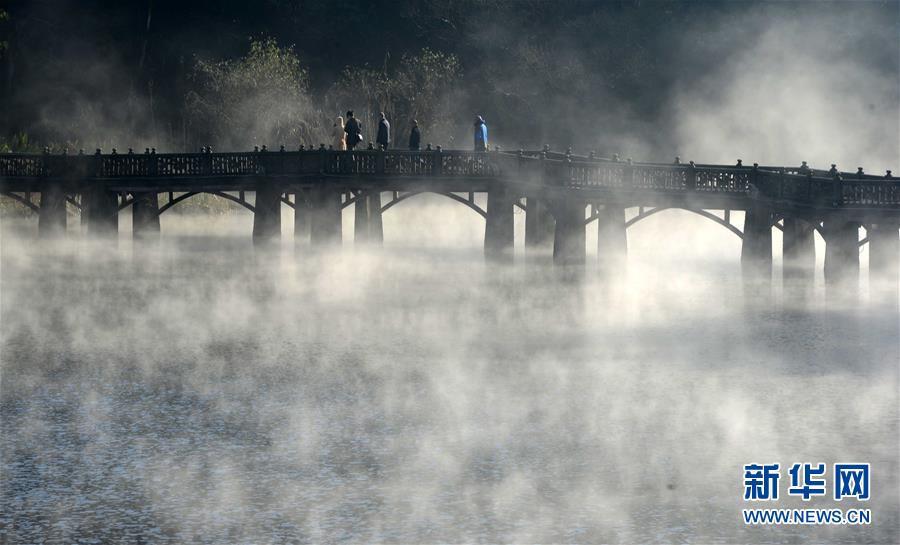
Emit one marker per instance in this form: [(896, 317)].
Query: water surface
[(199, 390)]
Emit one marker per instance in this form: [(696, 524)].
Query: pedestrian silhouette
[(481, 136), (384, 133), (352, 128), (337, 135), (415, 137)]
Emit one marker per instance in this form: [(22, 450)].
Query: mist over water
[(198, 389), (202, 390)]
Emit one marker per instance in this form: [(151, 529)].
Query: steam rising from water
[(819, 91), (201, 390)]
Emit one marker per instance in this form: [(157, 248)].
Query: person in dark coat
[(353, 130), (415, 137), (384, 133), (481, 138)]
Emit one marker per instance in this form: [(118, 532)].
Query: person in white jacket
[(337, 135)]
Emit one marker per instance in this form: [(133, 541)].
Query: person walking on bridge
[(337, 135), (481, 139), (384, 133), (415, 137), (353, 130)]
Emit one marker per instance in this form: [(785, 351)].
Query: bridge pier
[(756, 248), (499, 235), (841, 251), (376, 228), (367, 226), (267, 217), (569, 234), (145, 214), (301, 217), (52, 215), (100, 211), (798, 248), (324, 215), (538, 225), (361, 219), (884, 249), (612, 242)]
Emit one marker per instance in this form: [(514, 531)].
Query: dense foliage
[(260, 97), (233, 74)]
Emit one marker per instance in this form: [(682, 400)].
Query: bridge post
[(612, 242), (361, 219), (569, 236), (100, 211), (52, 215), (267, 217), (798, 248), (376, 228), (367, 227), (884, 249), (538, 225), (301, 218), (841, 251), (324, 215), (499, 235), (145, 214), (756, 249)]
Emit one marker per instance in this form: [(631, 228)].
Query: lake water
[(198, 390)]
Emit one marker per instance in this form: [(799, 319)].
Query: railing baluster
[(837, 193), (437, 168), (691, 181)]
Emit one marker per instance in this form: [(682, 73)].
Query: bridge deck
[(545, 174)]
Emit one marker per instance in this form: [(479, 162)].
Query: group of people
[(347, 135)]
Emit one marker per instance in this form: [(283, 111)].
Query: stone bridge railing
[(798, 185), (255, 163)]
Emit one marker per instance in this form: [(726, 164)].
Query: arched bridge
[(553, 189)]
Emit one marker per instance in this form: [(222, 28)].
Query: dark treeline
[(586, 74)]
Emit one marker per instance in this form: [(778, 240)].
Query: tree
[(422, 87), (429, 85), (4, 44), (260, 99)]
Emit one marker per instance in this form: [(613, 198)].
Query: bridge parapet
[(21, 166), (833, 189), (871, 192), (796, 185), (649, 176), (808, 186)]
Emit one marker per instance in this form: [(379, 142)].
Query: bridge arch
[(708, 215), (644, 214), (403, 196), (817, 225), (71, 200), (287, 201), (190, 194), (21, 199)]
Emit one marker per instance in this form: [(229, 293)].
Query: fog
[(199, 389), (768, 82), (801, 90)]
